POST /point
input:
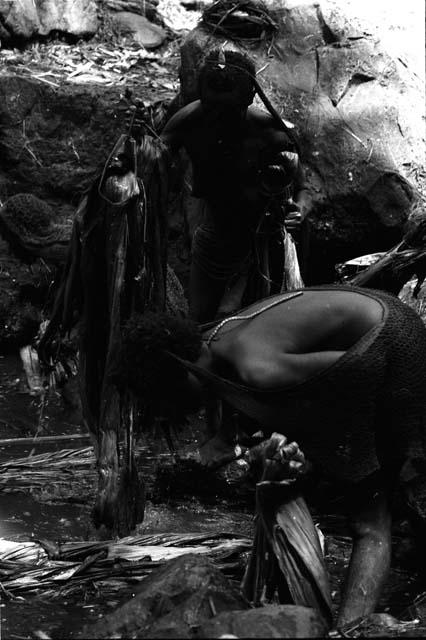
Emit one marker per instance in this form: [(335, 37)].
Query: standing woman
[(247, 173)]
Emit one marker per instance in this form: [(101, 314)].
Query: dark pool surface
[(22, 517)]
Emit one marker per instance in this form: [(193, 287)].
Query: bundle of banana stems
[(398, 265), (286, 564), (239, 19), (116, 266), (55, 570)]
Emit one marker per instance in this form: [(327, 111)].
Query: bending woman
[(341, 370)]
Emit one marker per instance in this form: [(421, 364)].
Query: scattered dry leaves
[(108, 64)]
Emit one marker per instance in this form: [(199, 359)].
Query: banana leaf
[(56, 570), (399, 264), (286, 563)]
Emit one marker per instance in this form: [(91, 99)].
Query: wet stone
[(140, 28), (273, 621), (172, 603)]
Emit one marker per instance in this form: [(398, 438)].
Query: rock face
[(360, 141), (30, 18), (28, 224), (141, 30), (147, 8), (54, 141), (280, 621)]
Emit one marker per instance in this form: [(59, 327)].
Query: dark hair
[(147, 367), (228, 68), (235, 61)]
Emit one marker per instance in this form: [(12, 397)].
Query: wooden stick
[(41, 439)]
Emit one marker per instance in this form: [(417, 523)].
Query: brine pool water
[(25, 516)]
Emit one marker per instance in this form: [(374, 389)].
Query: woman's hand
[(293, 218)]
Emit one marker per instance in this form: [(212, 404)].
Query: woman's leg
[(218, 253), (370, 521)]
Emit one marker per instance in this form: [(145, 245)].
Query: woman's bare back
[(295, 339)]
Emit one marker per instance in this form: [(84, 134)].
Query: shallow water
[(25, 516), (21, 516)]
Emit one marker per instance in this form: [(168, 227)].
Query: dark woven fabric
[(220, 255), (226, 254), (366, 412)]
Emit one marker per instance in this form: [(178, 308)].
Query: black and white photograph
[(212, 319)]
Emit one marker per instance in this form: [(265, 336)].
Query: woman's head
[(226, 80), (148, 366)]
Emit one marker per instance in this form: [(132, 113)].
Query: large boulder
[(139, 28), (358, 114), (32, 230), (29, 18), (148, 8), (191, 598), (55, 140), (279, 621), (172, 602), (56, 137)]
